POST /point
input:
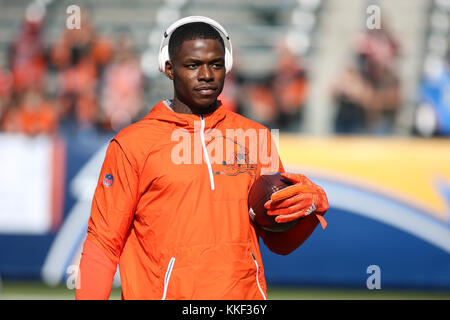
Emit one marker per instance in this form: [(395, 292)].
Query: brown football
[(260, 192)]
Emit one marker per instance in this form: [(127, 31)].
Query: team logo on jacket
[(108, 181), (237, 158)]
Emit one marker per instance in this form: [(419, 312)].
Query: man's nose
[(205, 73)]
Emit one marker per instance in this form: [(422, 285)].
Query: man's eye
[(218, 65), (191, 66)]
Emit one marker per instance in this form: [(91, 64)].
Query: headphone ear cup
[(163, 57), (228, 60)]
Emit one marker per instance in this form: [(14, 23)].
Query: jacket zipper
[(205, 152), (167, 277), (257, 276)]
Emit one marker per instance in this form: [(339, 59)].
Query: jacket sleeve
[(114, 202), (112, 210), (96, 274), (286, 242)]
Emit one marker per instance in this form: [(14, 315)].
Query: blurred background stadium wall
[(360, 91)]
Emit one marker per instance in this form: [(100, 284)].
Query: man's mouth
[(206, 90)]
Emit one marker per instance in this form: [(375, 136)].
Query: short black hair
[(192, 31)]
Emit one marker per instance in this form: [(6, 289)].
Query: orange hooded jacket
[(171, 206)]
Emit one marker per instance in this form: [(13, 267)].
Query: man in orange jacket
[(170, 207)]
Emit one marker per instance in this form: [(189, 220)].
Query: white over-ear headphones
[(164, 47)]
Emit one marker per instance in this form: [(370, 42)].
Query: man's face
[(198, 72)]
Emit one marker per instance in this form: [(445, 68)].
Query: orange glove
[(297, 201)]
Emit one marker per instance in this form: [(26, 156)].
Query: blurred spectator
[(262, 107), (368, 94), (351, 94), (34, 115), (6, 90), (289, 87), (376, 50), (80, 55), (27, 58), (433, 112), (277, 101), (122, 92)]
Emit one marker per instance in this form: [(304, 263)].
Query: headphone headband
[(163, 56)]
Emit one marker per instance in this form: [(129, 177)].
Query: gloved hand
[(297, 201)]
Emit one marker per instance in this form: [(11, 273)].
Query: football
[(260, 192)]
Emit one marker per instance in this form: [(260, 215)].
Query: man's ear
[(169, 70)]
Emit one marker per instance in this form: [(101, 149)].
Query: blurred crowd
[(82, 80), (367, 93), (278, 100), (86, 80)]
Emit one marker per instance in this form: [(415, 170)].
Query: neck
[(180, 107)]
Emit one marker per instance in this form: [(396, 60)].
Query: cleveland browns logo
[(238, 161)]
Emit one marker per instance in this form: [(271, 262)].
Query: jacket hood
[(162, 112)]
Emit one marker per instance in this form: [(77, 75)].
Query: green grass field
[(39, 291)]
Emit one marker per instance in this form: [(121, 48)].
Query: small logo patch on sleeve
[(108, 181)]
